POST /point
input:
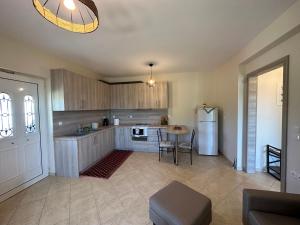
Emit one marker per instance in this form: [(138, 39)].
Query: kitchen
[(91, 119)]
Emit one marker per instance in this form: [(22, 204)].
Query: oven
[(139, 133)]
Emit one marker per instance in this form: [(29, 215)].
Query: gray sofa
[(270, 208)]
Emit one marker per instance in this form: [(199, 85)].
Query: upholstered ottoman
[(177, 204)]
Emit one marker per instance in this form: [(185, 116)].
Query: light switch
[(60, 123), (298, 133)]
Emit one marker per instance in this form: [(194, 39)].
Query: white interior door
[(20, 140)]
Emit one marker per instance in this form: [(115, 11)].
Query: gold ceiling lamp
[(151, 81), (79, 16)]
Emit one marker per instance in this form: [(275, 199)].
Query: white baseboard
[(21, 187)]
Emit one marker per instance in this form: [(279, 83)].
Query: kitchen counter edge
[(70, 137)]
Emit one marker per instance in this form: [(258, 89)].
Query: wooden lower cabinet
[(75, 154), (123, 138)]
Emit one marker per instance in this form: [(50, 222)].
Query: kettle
[(105, 122)]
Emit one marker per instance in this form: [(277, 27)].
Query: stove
[(142, 124)]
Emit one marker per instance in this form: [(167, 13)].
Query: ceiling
[(180, 36)]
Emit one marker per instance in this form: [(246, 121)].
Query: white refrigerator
[(207, 127)]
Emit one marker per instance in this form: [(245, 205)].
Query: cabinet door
[(132, 96), (112, 139), (152, 93), (123, 138), (83, 153), (157, 96), (106, 96), (127, 138), (145, 96), (163, 95), (91, 92), (94, 154), (115, 97), (72, 91), (119, 138), (99, 98), (84, 93)]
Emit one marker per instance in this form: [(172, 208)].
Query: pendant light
[(79, 16), (151, 81)]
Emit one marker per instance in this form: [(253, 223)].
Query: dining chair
[(187, 147), (164, 145)]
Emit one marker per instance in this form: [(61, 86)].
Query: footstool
[(177, 204)]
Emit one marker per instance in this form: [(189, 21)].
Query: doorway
[(266, 120), (23, 135)]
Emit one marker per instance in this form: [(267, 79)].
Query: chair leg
[(158, 153), (191, 156), (174, 155)]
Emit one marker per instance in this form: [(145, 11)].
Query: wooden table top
[(177, 129)]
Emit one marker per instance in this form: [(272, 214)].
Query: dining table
[(177, 130)]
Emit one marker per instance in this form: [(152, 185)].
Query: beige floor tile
[(85, 217), (28, 211), (55, 216), (123, 199), (109, 210)]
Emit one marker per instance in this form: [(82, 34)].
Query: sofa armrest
[(271, 202)]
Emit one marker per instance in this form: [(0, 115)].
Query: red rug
[(108, 165)]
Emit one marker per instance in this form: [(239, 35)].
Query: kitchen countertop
[(75, 136)]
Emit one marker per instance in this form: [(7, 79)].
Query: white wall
[(269, 114), (20, 57), (281, 38), (290, 47)]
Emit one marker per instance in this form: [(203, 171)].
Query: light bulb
[(151, 82), (69, 4)]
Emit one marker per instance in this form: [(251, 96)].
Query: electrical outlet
[(60, 123), (130, 116)]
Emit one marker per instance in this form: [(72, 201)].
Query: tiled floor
[(123, 199)]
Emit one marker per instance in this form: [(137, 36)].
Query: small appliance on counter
[(116, 122), (105, 122), (95, 125)]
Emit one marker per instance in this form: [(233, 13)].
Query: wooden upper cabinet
[(139, 96), (69, 92), (102, 95), (162, 97), (72, 92)]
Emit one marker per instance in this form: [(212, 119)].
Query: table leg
[(176, 147)]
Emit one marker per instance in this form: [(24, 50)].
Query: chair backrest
[(192, 138), (158, 132)]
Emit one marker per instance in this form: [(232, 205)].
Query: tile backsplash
[(138, 116), (68, 122)]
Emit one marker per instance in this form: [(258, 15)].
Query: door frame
[(43, 114), (283, 62)]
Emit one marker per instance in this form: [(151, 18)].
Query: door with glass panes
[(20, 145)]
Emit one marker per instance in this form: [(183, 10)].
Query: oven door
[(137, 132)]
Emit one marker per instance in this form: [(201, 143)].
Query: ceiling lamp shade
[(79, 16)]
